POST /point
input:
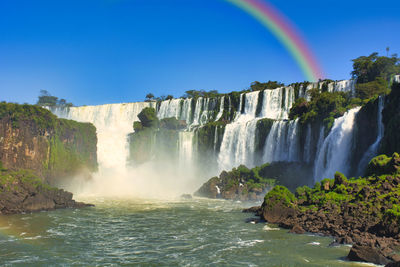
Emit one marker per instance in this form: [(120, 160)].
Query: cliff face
[(391, 119), (33, 138), (22, 191)]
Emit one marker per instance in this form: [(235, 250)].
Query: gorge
[(143, 155), (249, 128)]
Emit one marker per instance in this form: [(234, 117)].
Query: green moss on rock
[(280, 194)]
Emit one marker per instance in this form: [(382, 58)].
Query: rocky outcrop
[(33, 138), (364, 211), (238, 184), (251, 184), (22, 191), (367, 254), (154, 139)]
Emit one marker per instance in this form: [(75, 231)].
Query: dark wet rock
[(246, 184), (393, 264), (21, 191), (367, 254), (363, 212), (297, 229), (255, 209)]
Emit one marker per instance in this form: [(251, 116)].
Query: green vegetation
[(152, 134), (46, 99), (324, 106), (71, 145), (16, 113), (149, 97), (377, 195), (373, 74), (280, 194), (13, 180), (369, 68), (371, 89), (252, 177), (148, 117), (200, 93), (258, 86)]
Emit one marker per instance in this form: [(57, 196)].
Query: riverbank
[(363, 212), (21, 191)]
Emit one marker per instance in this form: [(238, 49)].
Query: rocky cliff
[(33, 138), (364, 211), (23, 191)]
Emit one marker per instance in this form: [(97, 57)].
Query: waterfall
[(334, 153), (396, 78), (221, 109), (282, 143), (113, 123), (237, 145), (181, 109), (170, 108), (373, 149), (345, 86), (186, 148), (277, 103), (238, 142), (215, 138), (307, 145)]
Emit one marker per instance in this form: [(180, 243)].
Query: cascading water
[(113, 123), (238, 141), (277, 103), (186, 148), (282, 142), (115, 178), (373, 149), (221, 109), (307, 146), (334, 153), (181, 109)]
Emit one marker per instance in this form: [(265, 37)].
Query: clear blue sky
[(110, 51)]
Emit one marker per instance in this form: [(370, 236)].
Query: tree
[(169, 97), (368, 69), (149, 97), (45, 99), (257, 86), (373, 74), (370, 89)]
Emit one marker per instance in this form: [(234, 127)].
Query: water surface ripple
[(157, 233)]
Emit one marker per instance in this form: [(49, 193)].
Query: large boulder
[(22, 191), (279, 205), (367, 254)]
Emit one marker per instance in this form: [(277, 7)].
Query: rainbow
[(270, 18)]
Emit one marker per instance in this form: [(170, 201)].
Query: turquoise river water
[(120, 232)]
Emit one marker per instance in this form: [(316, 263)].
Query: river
[(138, 232)]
